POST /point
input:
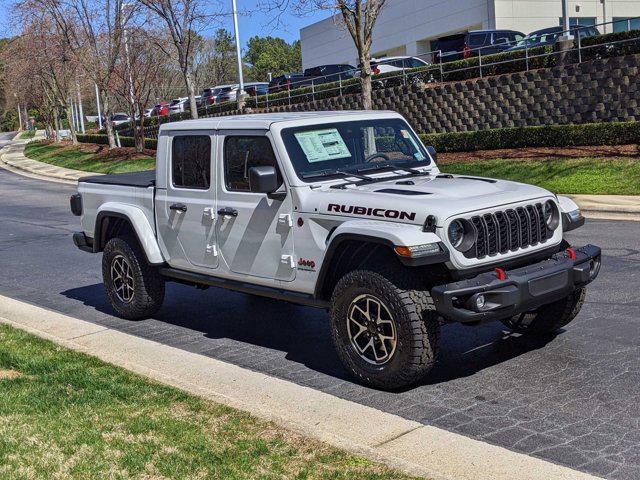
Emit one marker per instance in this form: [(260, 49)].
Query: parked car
[(344, 211), (549, 36), (287, 81), (395, 64), (227, 93), (329, 73), (179, 105), (473, 43), (148, 112), (256, 88), (160, 109), (120, 118), (210, 96)]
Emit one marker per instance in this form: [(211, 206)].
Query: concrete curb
[(403, 444)]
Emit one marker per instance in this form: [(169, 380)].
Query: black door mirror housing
[(432, 153), (263, 179)]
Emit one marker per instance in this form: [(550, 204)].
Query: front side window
[(191, 161), (240, 154), (357, 146)]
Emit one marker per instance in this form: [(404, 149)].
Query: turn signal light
[(417, 250)]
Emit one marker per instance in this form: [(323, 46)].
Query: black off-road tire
[(148, 284), (548, 318), (417, 326)]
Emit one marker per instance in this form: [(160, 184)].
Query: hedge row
[(150, 143), (614, 133)]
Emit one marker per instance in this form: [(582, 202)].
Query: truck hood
[(417, 197)]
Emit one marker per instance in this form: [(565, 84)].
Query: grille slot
[(508, 230)]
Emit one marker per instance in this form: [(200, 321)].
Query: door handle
[(180, 207), (228, 212)]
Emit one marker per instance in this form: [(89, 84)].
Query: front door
[(186, 210), (254, 230)]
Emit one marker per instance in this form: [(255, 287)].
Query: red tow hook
[(500, 273), (572, 253)]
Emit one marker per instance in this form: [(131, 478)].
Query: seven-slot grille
[(508, 230)]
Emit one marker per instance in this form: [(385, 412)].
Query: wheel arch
[(345, 244), (113, 218)]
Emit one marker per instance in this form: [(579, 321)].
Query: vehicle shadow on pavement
[(245, 330)]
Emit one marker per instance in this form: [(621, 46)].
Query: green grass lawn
[(600, 176), (64, 414), (27, 135), (76, 159)]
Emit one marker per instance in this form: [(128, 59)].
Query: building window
[(580, 21), (242, 153), (191, 161), (623, 24)]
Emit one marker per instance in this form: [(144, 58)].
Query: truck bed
[(144, 179)]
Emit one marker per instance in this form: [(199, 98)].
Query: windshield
[(353, 147), (536, 38)]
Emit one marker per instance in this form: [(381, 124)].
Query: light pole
[(238, 54), (98, 104), (80, 109), (127, 59), (566, 34)]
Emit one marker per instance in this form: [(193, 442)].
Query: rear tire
[(384, 328), (548, 318), (135, 288)]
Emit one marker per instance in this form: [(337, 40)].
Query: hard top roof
[(262, 121)]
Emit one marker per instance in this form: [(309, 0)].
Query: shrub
[(626, 43), (150, 143), (614, 133)]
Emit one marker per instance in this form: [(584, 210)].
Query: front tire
[(548, 318), (135, 288), (384, 328)]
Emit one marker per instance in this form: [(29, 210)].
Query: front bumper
[(522, 290)]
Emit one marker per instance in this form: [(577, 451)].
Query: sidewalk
[(12, 156), (619, 207)]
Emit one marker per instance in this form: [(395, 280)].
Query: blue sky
[(255, 23)]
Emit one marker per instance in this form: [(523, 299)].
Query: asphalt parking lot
[(572, 399)]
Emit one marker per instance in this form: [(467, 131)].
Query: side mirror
[(263, 179), (432, 153)]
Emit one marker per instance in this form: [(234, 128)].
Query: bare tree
[(136, 78), (183, 19), (93, 30), (357, 16), (38, 60)]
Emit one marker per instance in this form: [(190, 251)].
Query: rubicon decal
[(372, 212)]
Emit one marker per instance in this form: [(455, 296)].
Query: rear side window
[(191, 161), (477, 39), (240, 154)]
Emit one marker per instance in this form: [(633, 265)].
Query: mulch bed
[(546, 153), (103, 153)]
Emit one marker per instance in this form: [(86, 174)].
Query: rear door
[(254, 230), (186, 209)]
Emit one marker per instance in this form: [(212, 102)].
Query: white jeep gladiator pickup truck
[(345, 211)]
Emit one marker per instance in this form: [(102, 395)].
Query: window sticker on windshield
[(322, 145)]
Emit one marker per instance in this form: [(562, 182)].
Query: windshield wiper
[(330, 173), (384, 166)]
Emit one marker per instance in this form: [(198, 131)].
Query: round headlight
[(456, 233), (548, 212)]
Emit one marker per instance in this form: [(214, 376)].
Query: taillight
[(376, 71), (466, 53), (288, 83)]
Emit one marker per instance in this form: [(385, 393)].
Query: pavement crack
[(396, 437)]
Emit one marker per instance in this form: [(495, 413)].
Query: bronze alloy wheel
[(371, 329)]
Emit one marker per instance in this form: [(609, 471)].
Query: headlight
[(551, 215), (456, 233)]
